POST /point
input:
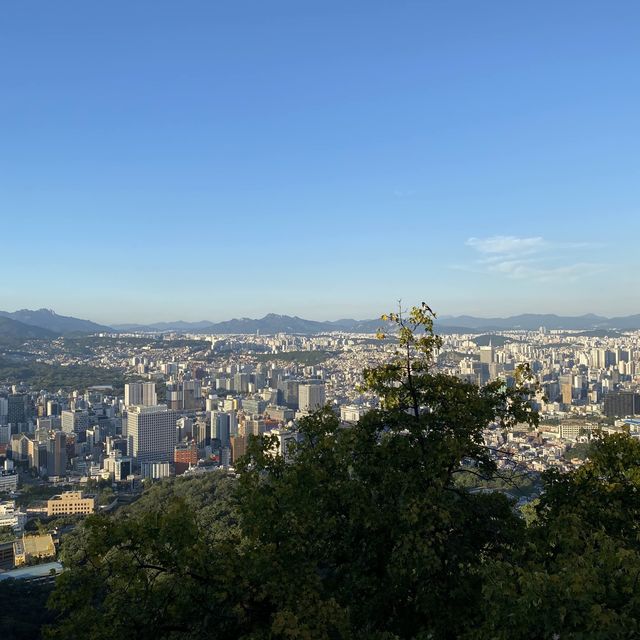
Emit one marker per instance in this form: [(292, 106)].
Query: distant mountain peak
[(60, 325)]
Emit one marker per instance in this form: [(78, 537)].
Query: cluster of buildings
[(193, 402), (204, 420), (27, 548)]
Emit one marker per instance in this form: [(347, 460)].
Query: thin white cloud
[(506, 244), (532, 258)]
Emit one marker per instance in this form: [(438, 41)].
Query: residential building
[(140, 393)]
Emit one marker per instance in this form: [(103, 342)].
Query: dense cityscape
[(188, 404)]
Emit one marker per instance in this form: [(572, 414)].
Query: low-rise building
[(11, 516), (70, 503), (30, 548), (8, 481)]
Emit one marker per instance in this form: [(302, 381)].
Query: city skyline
[(231, 160)]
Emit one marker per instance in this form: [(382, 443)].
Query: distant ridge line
[(275, 323)]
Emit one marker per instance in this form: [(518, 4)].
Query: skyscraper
[(19, 411), (140, 393), (311, 395), (76, 421), (152, 432), (57, 454), (487, 354)]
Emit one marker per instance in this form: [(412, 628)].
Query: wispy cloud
[(533, 258), (506, 244)]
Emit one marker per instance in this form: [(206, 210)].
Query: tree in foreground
[(576, 573), (365, 534), (362, 533)]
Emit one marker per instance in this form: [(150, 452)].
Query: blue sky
[(198, 159)]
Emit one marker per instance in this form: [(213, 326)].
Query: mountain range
[(12, 330), (45, 323), (52, 322), (274, 323), (271, 323)]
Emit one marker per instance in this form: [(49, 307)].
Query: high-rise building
[(311, 395), (191, 395), (290, 393), (76, 421), (621, 404), (566, 388), (152, 432), (118, 465), (53, 408), (184, 428), (238, 447), (487, 354), (254, 406), (19, 411), (224, 423), (241, 382), (140, 393), (57, 454), (4, 410)]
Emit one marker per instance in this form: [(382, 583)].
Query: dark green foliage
[(30, 493), (158, 569), (7, 534), (54, 376), (580, 450), (513, 482), (23, 609), (495, 339), (575, 574)]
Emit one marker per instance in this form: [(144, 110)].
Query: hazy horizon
[(318, 318)]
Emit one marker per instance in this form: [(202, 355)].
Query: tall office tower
[(259, 379), (241, 382), (566, 388), (254, 427), (621, 404), (290, 392), (19, 411), (221, 427), (4, 410), (152, 432), (75, 421), (191, 395), (140, 393), (201, 434), (57, 454), (53, 408), (311, 395), (254, 406), (487, 354), (40, 457), (184, 429), (238, 447), (174, 396)]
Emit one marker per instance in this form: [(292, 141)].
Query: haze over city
[(320, 159)]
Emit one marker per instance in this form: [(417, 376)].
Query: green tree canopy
[(576, 572)]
